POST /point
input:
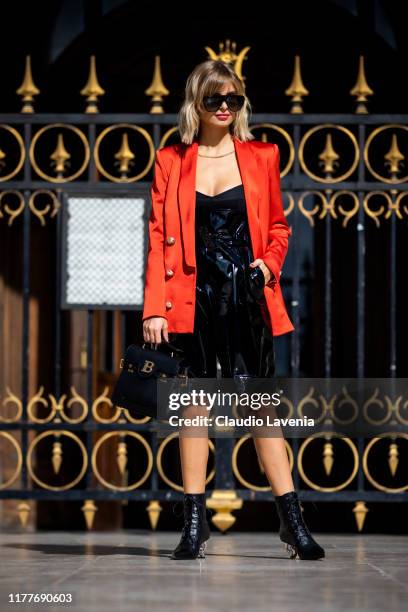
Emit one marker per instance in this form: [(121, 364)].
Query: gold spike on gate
[(360, 510), (153, 509), (89, 510), (92, 89), (27, 88)]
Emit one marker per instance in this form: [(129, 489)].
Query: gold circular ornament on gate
[(21, 146), (327, 435), (133, 434), (280, 130), (370, 138), (135, 128), (366, 471), (59, 433), (17, 471), (237, 473), (322, 179), (82, 138), (159, 455)]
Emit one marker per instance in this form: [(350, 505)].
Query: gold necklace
[(215, 156)]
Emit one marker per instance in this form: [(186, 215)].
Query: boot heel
[(201, 552), (292, 551)]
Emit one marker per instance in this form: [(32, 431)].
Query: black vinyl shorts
[(229, 324)]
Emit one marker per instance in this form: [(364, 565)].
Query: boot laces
[(210, 511), (296, 515), (191, 519)]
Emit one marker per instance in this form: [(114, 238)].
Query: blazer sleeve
[(278, 230), (154, 290)]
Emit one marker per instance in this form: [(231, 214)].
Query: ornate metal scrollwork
[(392, 461), (123, 178), (327, 436), (3, 154), (57, 433), (55, 157), (327, 155), (7, 436), (121, 459)]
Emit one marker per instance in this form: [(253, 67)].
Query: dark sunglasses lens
[(212, 103), (235, 102)]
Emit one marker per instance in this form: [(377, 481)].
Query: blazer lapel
[(249, 170)]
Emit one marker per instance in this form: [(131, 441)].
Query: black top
[(224, 213), (233, 199)]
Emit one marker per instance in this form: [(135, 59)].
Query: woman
[(217, 241)]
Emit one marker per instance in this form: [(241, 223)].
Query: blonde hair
[(205, 80)]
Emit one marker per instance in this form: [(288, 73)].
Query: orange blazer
[(170, 279)]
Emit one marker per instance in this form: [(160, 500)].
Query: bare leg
[(273, 457), (193, 443), (194, 457)]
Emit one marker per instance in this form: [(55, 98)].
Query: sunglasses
[(234, 102)]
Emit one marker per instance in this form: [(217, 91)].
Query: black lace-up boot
[(293, 530), (196, 530)]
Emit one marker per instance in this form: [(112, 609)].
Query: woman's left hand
[(266, 271)]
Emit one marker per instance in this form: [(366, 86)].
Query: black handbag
[(142, 370)]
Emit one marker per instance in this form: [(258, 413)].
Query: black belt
[(210, 238)]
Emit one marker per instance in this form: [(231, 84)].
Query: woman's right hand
[(155, 330)]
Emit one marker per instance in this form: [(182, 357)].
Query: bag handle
[(154, 346)]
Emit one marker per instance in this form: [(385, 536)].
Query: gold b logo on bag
[(147, 366)]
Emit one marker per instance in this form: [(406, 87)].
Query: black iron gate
[(344, 191)]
